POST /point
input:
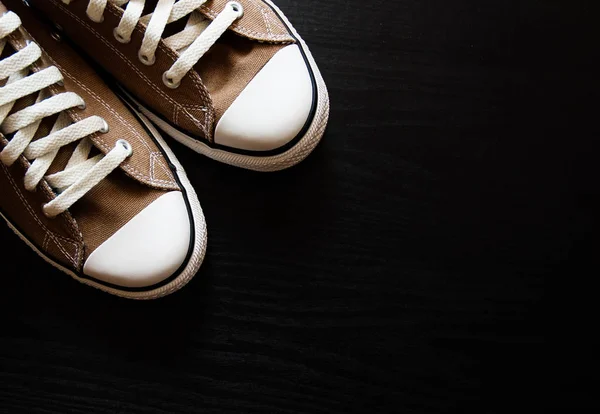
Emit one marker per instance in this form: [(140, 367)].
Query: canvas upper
[(132, 232), (255, 91)]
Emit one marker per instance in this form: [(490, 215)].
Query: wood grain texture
[(405, 267)]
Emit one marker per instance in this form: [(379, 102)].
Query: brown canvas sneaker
[(86, 181), (232, 80)]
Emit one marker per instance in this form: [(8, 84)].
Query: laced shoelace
[(191, 43), (81, 173)]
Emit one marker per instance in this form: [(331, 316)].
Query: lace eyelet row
[(168, 81)]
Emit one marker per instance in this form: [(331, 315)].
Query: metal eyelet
[(125, 144), (237, 7), (146, 60), (105, 128), (120, 37), (169, 82), (56, 34)]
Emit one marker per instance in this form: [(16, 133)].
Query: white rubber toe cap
[(273, 108), (146, 250)]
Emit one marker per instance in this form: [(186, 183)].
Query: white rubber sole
[(198, 250), (277, 162)]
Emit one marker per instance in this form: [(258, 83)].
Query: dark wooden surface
[(436, 253)]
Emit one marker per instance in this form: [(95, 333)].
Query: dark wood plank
[(404, 267)]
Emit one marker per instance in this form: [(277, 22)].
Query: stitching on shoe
[(134, 68), (152, 160), (266, 20), (176, 115), (162, 165), (253, 33), (43, 186), (153, 157), (48, 232), (111, 8), (134, 170)]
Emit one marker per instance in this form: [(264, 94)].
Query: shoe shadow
[(248, 215)]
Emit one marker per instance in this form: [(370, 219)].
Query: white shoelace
[(191, 43), (81, 173)]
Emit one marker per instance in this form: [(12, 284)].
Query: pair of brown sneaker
[(86, 179)]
